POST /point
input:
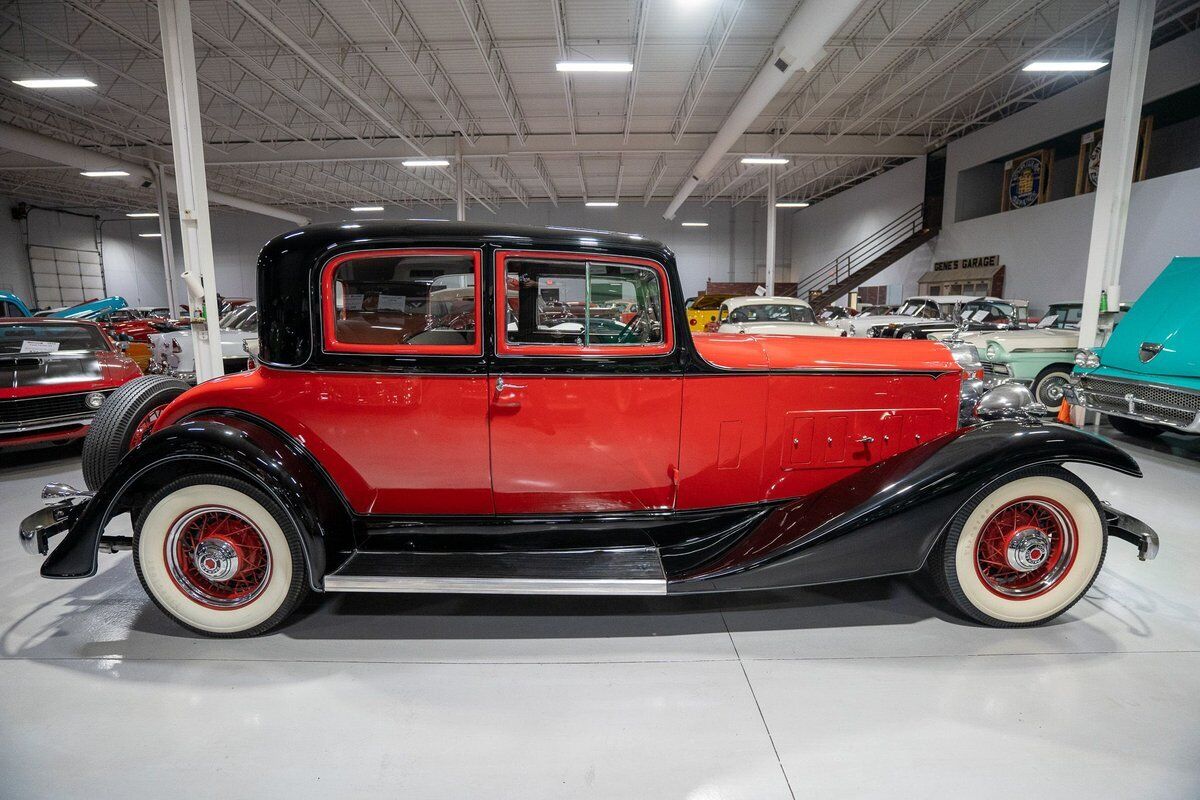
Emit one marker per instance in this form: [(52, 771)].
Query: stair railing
[(907, 225)]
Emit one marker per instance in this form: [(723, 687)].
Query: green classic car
[(1146, 378), (1041, 358)]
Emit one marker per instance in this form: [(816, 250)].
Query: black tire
[(1047, 386), (1131, 427), (290, 595), (114, 424), (942, 566)]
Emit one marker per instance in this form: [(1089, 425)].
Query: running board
[(625, 570)]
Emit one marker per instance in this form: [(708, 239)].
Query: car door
[(584, 408)]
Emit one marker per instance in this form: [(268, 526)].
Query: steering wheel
[(625, 334)]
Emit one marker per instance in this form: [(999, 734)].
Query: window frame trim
[(506, 349), (330, 343)]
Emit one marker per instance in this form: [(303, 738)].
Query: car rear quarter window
[(564, 304), (403, 301)]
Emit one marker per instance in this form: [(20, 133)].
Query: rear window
[(49, 339), (772, 312), (404, 301)]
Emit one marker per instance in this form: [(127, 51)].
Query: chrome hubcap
[(216, 559), (1027, 550)]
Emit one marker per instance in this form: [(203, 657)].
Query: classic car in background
[(86, 310), (976, 315), (132, 329), (703, 309), (173, 353), (54, 374), (1040, 358), (787, 316), (914, 309), (1146, 377), (358, 456), (13, 306)]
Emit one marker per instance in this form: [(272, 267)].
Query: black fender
[(224, 441), (885, 519)]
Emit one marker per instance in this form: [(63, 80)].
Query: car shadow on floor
[(1179, 445), (42, 458)]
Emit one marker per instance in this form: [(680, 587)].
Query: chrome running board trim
[(618, 571)]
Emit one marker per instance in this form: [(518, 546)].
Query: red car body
[(43, 396)]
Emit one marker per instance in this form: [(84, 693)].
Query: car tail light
[(692, 321)]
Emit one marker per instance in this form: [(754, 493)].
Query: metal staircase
[(867, 259)]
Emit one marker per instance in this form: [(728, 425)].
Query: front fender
[(885, 519), (227, 442)]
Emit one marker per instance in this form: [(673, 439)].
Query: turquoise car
[(1146, 378), (92, 309), (1041, 358), (13, 306)]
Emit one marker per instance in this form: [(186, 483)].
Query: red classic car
[(376, 448), (54, 374)]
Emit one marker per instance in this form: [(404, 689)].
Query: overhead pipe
[(799, 46), (39, 146)]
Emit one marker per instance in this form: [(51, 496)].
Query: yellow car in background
[(702, 310)]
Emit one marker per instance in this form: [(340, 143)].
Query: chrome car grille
[(26, 410), (1171, 404)]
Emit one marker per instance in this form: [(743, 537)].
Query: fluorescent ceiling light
[(426, 162), (790, 204), (602, 203), (367, 208), (764, 160), (594, 66), (1064, 66), (150, 235), (142, 214), (694, 224), (105, 173), (56, 83)]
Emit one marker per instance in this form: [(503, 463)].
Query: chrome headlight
[(1088, 359), (94, 400), (991, 352)]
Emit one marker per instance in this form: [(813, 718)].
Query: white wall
[(1045, 247), (823, 231)]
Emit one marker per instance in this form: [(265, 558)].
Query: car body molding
[(214, 440), (884, 519)]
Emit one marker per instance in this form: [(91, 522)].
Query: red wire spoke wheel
[(145, 425), (218, 557), (1023, 549), (1026, 547)]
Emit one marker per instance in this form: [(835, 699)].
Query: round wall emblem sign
[(1093, 165), (1025, 182)]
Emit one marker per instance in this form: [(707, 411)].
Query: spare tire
[(122, 421)]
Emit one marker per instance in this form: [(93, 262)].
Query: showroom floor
[(860, 690)]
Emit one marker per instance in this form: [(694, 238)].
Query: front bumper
[(1132, 530)]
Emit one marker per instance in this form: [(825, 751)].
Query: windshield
[(247, 321), (918, 308), (772, 312), (1065, 316), (235, 319), (50, 339), (995, 312)]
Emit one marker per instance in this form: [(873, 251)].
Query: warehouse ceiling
[(313, 104)]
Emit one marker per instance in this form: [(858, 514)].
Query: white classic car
[(785, 316), (174, 353), (921, 307)]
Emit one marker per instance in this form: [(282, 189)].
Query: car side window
[(564, 304), (403, 301)]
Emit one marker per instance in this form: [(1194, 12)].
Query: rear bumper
[(1132, 530)]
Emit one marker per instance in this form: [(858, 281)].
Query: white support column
[(770, 271), (168, 238), (1122, 118), (460, 193), (187, 145)]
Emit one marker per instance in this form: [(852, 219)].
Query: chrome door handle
[(502, 386), (865, 439)]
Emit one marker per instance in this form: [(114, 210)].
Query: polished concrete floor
[(859, 690)]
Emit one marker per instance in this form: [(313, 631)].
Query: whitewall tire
[(1022, 550), (219, 556)]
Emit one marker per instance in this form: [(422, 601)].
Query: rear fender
[(227, 442), (885, 519)]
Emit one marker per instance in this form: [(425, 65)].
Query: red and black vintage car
[(54, 375), (421, 420)]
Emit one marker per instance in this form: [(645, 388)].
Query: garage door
[(64, 276)]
